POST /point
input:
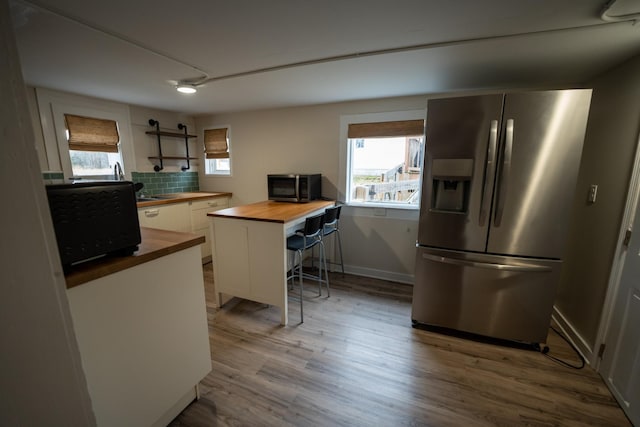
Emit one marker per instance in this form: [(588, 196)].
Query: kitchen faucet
[(117, 172)]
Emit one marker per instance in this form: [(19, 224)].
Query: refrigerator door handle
[(504, 267), (504, 174), (489, 171)]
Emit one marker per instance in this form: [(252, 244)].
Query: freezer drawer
[(496, 296)]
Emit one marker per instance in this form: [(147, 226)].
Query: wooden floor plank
[(356, 361)]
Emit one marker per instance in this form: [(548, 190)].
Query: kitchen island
[(249, 249), (141, 326)]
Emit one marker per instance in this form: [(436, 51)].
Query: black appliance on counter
[(294, 187), (91, 219)]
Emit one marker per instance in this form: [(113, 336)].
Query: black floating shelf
[(172, 158), (160, 133)]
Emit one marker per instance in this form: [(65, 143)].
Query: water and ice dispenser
[(451, 185)]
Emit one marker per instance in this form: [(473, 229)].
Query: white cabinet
[(200, 220), (174, 216), (143, 339), (188, 217)]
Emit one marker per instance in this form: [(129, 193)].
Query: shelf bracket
[(186, 143), (156, 123), (181, 135)]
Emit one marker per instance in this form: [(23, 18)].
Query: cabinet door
[(200, 220), (173, 217)]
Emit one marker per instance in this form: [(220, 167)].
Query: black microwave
[(294, 187), (91, 219)]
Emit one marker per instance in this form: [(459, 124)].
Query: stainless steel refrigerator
[(498, 184)]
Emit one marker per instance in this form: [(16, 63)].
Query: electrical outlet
[(593, 191), (379, 212)]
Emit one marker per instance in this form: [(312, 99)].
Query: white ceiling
[(134, 51)]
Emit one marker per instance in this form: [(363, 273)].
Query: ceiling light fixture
[(186, 88), (604, 14)]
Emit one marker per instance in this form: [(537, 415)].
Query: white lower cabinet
[(174, 216), (143, 339), (184, 216), (200, 220)]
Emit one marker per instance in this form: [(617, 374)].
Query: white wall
[(607, 160), (147, 145), (42, 379), (307, 140)]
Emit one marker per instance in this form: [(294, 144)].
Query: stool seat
[(331, 226), (308, 238), (298, 242)]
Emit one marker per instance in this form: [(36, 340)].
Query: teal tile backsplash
[(154, 182), (53, 177), (166, 182)]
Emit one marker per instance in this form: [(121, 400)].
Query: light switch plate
[(593, 191)]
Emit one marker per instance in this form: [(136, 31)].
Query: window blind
[(215, 143), (386, 129), (91, 134)]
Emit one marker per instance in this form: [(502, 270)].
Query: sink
[(152, 198)]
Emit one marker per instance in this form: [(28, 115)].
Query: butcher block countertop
[(270, 211), (155, 244), (180, 197)]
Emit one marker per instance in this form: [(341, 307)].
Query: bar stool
[(305, 239), (331, 226)]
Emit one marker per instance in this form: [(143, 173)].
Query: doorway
[(619, 337)]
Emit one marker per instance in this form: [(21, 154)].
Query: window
[(384, 162), (91, 164), (93, 146), (216, 149), (218, 167), (106, 128)]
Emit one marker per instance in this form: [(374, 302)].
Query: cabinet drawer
[(173, 217), (199, 210), (211, 204)]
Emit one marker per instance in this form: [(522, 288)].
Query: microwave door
[(283, 188), (294, 187)]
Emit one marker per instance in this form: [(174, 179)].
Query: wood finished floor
[(356, 361)]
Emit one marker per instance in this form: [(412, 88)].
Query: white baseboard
[(377, 274), (572, 335)]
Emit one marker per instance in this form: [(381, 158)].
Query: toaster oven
[(91, 219)]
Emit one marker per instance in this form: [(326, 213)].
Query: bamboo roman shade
[(91, 134), (386, 129), (215, 143)]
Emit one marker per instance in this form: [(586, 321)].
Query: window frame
[(216, 173), (53, 105), (346, 154), (59, 111)]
